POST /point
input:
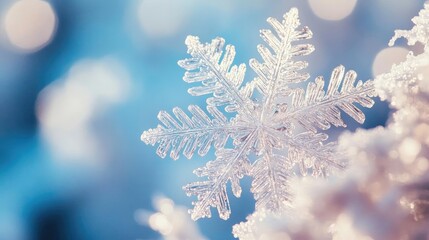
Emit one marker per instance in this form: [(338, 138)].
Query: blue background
[(40, 199)]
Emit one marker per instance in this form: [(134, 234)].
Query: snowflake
[(276, 121), (170, 220), (384, 192)]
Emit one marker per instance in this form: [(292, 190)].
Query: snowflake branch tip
[(315, 109)]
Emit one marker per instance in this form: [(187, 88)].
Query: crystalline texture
[(280, 127), (384, 192), (403, 79), (420, 31)]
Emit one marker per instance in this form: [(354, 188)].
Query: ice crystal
[(384, 193), (405, 79), (275, 119), (420, 31)]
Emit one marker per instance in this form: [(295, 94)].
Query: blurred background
[(80, 80)]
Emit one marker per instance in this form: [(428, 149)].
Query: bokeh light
[(67, 107), (161, 18), (384, 10), (159, 222), (385, 58), (332, 10), (409, 149), (72, 163), (170, 220), (30, 24)]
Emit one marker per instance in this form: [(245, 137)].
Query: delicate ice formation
[(275, 119), (384, 194)]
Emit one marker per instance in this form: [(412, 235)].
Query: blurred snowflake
[(170, 220), (275, 120)]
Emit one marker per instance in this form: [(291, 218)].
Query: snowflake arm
[(230, 165), (315, 108), (278, 69), (188, 134), (308, 151), (218, 77), (271, 172), (270, 185)]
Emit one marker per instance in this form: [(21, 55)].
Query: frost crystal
[(275, 119), (420, 31), (404, 80), (384, 192)]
